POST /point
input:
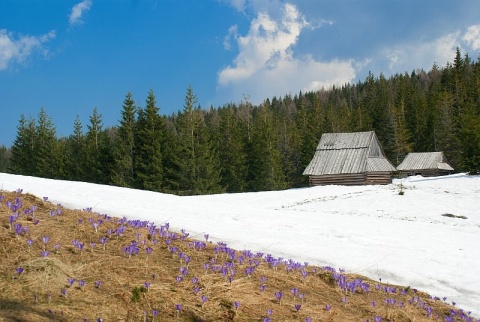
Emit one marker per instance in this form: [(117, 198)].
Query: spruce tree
[(148, 160), (124, 145), (266, 167), (75, 153), (22, 161), (45, 158), (196, 159), (97, 152), (232, 151)]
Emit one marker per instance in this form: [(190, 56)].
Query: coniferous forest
[(244, 147)]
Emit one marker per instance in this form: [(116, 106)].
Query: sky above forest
[(70, 56)]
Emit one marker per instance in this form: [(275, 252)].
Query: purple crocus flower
[(103, 241), (19, 270), (204, 299), (18, 229), (70, 281), (64, 292), (44, 253), (297, 307), (236, 305), (378, 318), (327, 307), (98, 284), (147, 285), (278, 295), (294, 291)]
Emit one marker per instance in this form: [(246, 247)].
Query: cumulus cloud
[(77, 12), (266, 64), (20, 49), (472, 37), (406, 57)]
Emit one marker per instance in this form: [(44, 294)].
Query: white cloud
[(239, 5), (472, 37), (18, 50), (407, 57), (77, 12), (266, 65), (232, 33)]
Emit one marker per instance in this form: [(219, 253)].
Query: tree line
[(243, 147)]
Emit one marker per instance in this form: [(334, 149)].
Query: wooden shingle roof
[(342, 153), (424, 161)]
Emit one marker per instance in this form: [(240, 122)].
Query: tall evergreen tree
[(75, 153), (196, 159), (98, 152), (22, 161), (401, 135), (124, 145), (45, 158), (148, 160), (266, 167), (232, 151)]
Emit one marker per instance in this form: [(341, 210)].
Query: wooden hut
[(427, 164), (349, 159)]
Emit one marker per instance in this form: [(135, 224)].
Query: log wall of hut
[(378, 178), (351, 179)]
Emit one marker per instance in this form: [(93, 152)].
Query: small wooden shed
[(349, 159), (427, 164)]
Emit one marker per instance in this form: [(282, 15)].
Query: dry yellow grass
[(42, 292)]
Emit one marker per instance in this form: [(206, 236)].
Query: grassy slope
[(36, 293)]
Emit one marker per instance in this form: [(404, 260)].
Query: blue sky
[(71, 56)]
